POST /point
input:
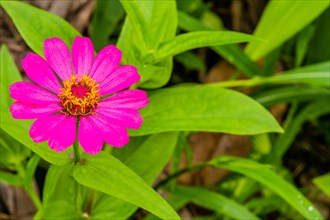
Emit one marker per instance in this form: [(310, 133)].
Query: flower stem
[(76, 151)]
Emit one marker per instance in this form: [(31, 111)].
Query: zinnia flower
[(79, 96)]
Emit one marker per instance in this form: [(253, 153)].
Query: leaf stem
[(180, 172)]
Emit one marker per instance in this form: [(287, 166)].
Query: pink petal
[(114, 135), (82, 55), (89, 135), (42, 128), (58, 57), (63, 135), (30, 93), (133, 99), (127, 118), (105, 62), (122, 78), (21, 110), (39, 71)]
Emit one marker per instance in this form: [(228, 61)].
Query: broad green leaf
[(232, 53), (10, 178), (197, 39), (137, 21), (263, 174), (158, 18), (323, 182), (106, 17), (8, 74), (155, 151), (58, 210), (56, 178), (214, 201), (156, 21), (35, 25), (204, 108), (280, 21), (19, 130), (107, 174), (162, 21)]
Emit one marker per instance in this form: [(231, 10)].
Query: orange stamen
[(79, 96)]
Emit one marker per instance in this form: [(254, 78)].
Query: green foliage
[(323, 182), (231, 53), (107, 15), (197, 39), (126, 185), (154, 160), (36, 25), (263, 174), (115, 186), (174, 109), (280, 21), (214, 201)]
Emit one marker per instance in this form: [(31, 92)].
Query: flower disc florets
[(79, 96)]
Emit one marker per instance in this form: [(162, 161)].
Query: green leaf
[(270, 179), (302, 44), (204, 108), (106, 17), (8, 73), (10, 178), (290, 93), (58, 210), (155, 20), (152, 75), (323, 182), (18, 129), (315, 75), (56, 178), (313, 110), (197, 39), (214, 201), (11, 151), (232, 53), (31, 168), (319, 49), (280, 21), (159, 20), (107, 174), (137, 20), (35, 25), (154, 157)]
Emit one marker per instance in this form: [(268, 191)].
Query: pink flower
[(78, 96)]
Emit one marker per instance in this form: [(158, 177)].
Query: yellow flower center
[(79, 96)]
